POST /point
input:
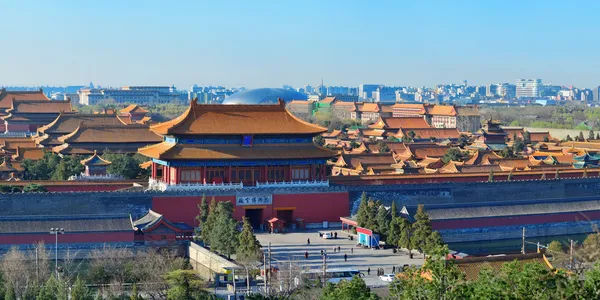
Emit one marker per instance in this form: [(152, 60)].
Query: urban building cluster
[(274, 166), (520, 92)]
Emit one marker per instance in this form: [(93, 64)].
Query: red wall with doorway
[(312, 207), (317, 207)]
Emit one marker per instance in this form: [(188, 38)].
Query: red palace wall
[(85, 237), (312, 207), (86, 188), (516, 220)]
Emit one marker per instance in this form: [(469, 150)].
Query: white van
[(326, 235)]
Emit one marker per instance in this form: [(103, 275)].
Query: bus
[(334, 275)]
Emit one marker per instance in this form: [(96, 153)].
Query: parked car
[(325, 235), (387, 277)]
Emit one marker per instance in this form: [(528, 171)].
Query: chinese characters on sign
[(254, 200)]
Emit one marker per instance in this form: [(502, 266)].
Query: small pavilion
[(95, 165)]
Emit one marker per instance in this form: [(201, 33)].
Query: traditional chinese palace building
[(259, 157), (238, 144)]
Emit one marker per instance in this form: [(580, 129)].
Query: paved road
[(292, 246)]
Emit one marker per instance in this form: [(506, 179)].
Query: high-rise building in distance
[(365, 91), (506, 90), (492, 90), (528, 88)]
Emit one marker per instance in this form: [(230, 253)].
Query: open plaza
[(292, 247)]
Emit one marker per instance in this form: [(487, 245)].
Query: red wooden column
[(313, 171), (228, 172), (264, 176), (153, 176), (203, 173), (288, 173), (177, 175)]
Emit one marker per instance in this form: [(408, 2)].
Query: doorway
[(255, 216), (287, 216)]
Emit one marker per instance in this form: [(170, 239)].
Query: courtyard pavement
[(292, 246)]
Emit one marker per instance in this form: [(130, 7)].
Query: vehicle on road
[(326, 235), (387, 277), (334, 275)]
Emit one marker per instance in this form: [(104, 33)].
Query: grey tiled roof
[(72, 223), (444, 213)]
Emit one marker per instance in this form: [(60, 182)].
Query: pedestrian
[(393, 269), (352, 250), (308, 241), (306, 254), (339, 249), (345, 257), (369, 271), (321, 252), (335, 235), (334, 249)]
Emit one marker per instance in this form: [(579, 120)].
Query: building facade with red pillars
[(259, 157)]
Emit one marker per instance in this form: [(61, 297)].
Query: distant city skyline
[(269, 44)]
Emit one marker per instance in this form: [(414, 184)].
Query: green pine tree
[(205, 230), (249, 247), (422, 229), (491, 176), (355, 289), (393, 211), (53, 289), (224, 234), (406, 239), (383, 221), (591, 135), (581, 138), (394, 232), (373, 207), (202, 216), (79, 291), (510, 176), (363, 211), (433, 242)]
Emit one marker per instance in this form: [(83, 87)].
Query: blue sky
[(271, 43)]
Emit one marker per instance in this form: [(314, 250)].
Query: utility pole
[(234, 288), (324, 269), (56, 232), (571, 255), (269, 272), (523, 242), (290, 279), (37, 266), (265, 270)]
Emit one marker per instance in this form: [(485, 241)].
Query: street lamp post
[(56, 232)]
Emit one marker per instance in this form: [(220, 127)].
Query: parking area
[(293, 246)]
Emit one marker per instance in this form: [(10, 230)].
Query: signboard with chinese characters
[(241, 200)]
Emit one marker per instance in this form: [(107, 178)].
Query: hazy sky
[(270, 43)]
